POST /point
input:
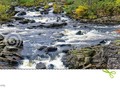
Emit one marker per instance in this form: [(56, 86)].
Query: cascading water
[(47, 44)]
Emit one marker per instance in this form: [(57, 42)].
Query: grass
[(78, 9), (4, 7)]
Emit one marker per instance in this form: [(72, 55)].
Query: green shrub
[(26, 2), (80, 11), (57, 8), (69, 9), (3, 10)]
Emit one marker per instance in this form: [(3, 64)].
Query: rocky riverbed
[(39, 39), (95, 57), (9, 52)]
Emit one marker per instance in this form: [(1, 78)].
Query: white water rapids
[(92, 35)]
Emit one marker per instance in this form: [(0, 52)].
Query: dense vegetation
[(92, 9), (85, 9)]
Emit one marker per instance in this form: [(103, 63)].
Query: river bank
[(82, 13), (95, 57)]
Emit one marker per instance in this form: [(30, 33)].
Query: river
[(47, 36)]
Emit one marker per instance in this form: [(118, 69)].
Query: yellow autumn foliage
[(117, 1), (80, 10)]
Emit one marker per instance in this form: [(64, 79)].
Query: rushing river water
[(58, 40)]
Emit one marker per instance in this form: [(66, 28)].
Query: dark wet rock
[(26, 21), (22, 13), (44, 11), (44, 56), (49, 25), (51, 66), (42, 48), (59, 35), (39, 33), (94, 57), (58, 19), (65, 51), (18, 18), (65, 45), (79, 33), (14, 63), (37, 8), (1, 37), (40, 66), (2, 46), (10, 25), (32, 27), (51, 49), (10, 56), (54, 25), (103, 42), (60, 40), (52, 55)]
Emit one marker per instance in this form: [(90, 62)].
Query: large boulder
[(40, 66), (94, 57), (10, 56)]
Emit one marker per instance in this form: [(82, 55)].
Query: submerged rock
[(51, 66)]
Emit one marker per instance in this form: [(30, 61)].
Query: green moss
[(46, 6), (57, 8), (117, 42), (75, 52), (88, 52)]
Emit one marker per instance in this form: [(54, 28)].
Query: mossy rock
[(117, 42), (88, 52)]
